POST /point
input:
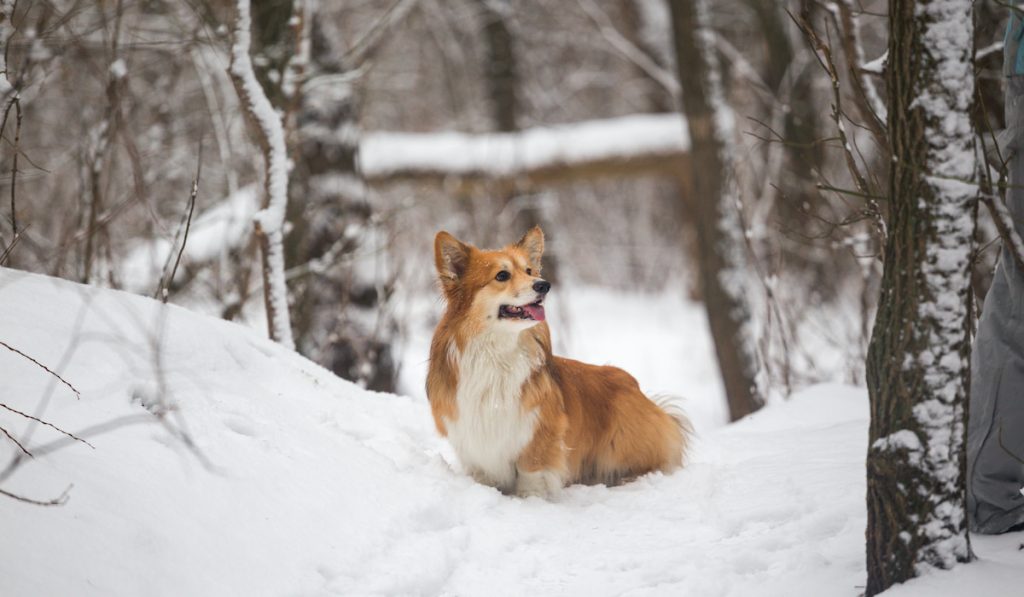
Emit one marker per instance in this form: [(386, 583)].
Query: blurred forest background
[(482, 117)]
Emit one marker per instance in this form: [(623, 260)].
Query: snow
[(876, 66), (503, 154), (226, 464), (118, 69)]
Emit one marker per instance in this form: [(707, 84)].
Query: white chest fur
[(492, 429)]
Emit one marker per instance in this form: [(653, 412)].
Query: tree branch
[(162, 293), (43, 367), (367, 46), (42, 422)]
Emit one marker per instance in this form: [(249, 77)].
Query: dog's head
[(499, 289)]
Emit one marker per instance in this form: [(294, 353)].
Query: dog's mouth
[(531, 312)]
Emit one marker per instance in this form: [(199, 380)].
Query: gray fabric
[(995, 438), (1013, 49)]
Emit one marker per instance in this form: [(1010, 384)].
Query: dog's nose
[(542, 286)]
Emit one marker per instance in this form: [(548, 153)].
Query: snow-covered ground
[(224, 464)]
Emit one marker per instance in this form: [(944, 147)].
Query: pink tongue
[(535, 311)]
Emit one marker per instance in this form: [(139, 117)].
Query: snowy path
[(303, 484)]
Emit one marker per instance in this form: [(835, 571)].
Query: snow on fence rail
[(624, 146)]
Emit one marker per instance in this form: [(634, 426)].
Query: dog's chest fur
[(491, 428)]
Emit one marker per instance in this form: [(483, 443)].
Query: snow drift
[(224, 464)]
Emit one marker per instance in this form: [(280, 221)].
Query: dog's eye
[(529, 272), (503, 276)]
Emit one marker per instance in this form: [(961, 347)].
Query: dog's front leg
[(541, 468)]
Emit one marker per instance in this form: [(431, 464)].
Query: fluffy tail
[(671, 407)]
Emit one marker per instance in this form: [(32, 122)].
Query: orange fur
[(572, 422)]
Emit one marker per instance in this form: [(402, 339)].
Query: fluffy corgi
[(520, 419)]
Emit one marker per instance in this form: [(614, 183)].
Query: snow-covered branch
[(633, 145), (867, 97), (269, 220)]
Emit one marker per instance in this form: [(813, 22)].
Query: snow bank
[(224, 464)]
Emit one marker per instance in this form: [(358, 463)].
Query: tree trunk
[(269, 220), (721, 249), (343, 318), (918, 360), (501, 71)]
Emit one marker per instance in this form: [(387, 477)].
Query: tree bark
[(721, 249), (918, 360)]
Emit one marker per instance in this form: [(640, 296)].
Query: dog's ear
[(450, 256), (533, 243)]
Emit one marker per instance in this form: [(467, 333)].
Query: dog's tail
[(671, 406)]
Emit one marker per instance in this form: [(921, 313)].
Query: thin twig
[(16, 442), (827, 187), (823, 53), (9, 248), (865, 95), (162, 291), (364, 49), (43, 367), (627, 49), (50, 425)]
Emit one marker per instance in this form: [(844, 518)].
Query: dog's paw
[(542, 484)]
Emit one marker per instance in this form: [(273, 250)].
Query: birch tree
[(918, 359), (716, 205), (269, 221)]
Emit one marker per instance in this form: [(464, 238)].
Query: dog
[(520, 419)]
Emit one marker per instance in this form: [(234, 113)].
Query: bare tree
[(716, 209), (918, 361), (270, 220)]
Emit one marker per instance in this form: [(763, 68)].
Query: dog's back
[(615, 431)]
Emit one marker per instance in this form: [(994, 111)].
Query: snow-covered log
[(269, 220), (919, 359), (656, 144)]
